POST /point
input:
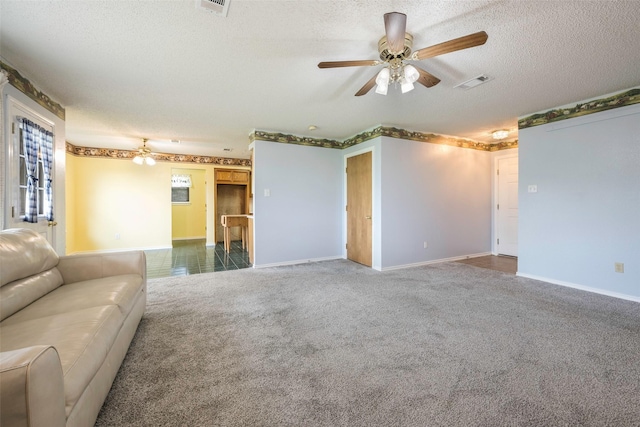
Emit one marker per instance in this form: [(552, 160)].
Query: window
[(179, 195), (34, 146), (180, 185), (24, 176)]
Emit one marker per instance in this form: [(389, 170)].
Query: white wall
[(301, 219), (433, 193), (585, 215)]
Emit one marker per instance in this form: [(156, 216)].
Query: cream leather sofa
[(65, 326)]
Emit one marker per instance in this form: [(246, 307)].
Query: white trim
[(580, 287), (375, 218), (494, 194), (300, 261), (190, 238), (107, 251), (435, 261)]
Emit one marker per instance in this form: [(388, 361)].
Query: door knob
[(52, 223)]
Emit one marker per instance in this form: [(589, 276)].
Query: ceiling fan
[(395, 48)]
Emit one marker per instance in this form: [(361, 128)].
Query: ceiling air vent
[(219, 7), (476, 81)]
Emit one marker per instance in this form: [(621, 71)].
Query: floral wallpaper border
[(392, 132), (617, 100), (111, 153), (24, 85)]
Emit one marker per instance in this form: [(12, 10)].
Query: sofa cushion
[(82, 338), (20, 293), (117, 290), (23, 253)]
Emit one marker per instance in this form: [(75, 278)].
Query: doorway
[(19, 169), (507, 206), (188, 204), (230, 200), (359, 208)]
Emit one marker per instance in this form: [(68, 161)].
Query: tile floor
[(194, 257)]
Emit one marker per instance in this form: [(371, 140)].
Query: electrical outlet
[(619, 267), (117, 236), (425, 245)]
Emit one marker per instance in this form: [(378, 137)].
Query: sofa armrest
[(78, 268), (31, 388)]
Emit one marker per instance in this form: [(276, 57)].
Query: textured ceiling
[(164, 70)]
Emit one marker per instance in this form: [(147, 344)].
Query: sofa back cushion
[(27, 269), (23, 253), (20, 293)]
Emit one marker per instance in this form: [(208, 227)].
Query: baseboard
[(580, 287), (106, 251), (435, 261), (300, 261), (189, 238)]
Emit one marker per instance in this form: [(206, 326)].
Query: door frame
[(14, 108), (375, 220), (513, 153)]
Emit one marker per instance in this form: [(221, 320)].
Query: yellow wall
[(70, 202), (105, 197), (188, 221)]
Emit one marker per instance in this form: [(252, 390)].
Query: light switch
[(533, 189), (267, 192)]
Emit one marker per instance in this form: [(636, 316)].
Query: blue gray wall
[(435, 194), (585, 215), (301, 219), (421, 192)]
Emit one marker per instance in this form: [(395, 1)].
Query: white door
[(16, 174), (507, 243)]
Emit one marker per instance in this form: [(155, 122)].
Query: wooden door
[(507, 242), (359, 223)]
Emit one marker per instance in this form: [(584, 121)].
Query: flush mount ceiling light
[(500, 134), (144, 155)]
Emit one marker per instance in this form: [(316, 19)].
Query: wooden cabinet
[(232, 191), (232, 177)]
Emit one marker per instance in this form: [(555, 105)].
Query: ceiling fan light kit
[(500, 134), (395, 48), (144, 155)]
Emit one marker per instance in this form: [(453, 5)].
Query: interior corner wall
[(436, 194), (585, 215), (297, 203)]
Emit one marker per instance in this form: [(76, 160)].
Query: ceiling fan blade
[(367, 86), (336, 64), (472, 40), (426, 79), (395, 25)]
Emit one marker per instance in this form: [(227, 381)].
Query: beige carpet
[(337, 344)]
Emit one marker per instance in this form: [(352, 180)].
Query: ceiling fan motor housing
[(387, 56)]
